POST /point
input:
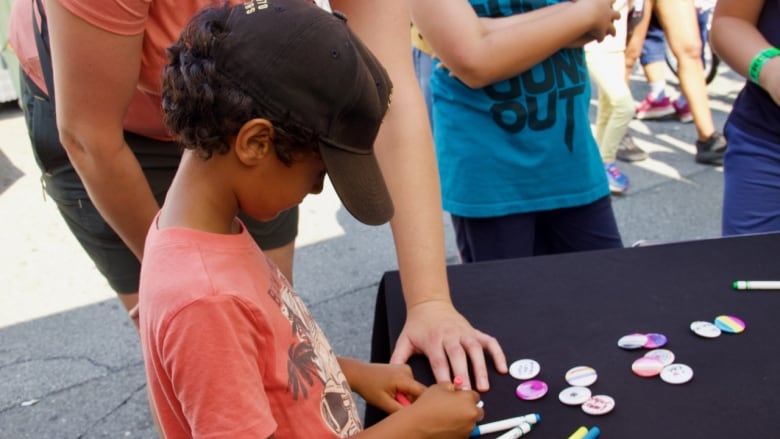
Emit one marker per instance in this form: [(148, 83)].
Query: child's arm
[(439, 411), (480, 55), (378, 383), (492, 24), (737, 41)]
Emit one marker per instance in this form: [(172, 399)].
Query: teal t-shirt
[(519, 145)]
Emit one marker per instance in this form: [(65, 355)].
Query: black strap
[(44, 55)]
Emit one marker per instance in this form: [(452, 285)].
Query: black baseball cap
[(302, 64)]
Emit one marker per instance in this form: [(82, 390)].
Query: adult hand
[(437, 330)]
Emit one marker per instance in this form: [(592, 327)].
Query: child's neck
[(198, 200)]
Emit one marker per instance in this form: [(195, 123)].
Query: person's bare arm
[(736, 40), (405, 152), (480, 55), (95, 74)]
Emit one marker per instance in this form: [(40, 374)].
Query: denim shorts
[(158, 159)]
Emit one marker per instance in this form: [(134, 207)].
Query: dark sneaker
[(710, 151), (628, 151)]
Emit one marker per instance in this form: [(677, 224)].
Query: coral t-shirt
[(161, 21), (230, 350)]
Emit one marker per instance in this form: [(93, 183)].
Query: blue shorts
[(589, 227), (654, 47), (159, 161), (751, 191)]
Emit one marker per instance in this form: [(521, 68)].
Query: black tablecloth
[(570, 310)]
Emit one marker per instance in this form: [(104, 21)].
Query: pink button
[(530, 390)]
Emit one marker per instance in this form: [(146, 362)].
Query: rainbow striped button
[(731, 324)]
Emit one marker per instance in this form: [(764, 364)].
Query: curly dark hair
[(203, 108)]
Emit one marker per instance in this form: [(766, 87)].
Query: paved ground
[(70, 363)]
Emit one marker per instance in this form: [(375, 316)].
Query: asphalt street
[(70, 362)]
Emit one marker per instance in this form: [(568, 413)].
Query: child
[(520, 171), (267, 97), (606, 65)]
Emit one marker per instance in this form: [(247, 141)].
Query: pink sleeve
[(123, 17), (211, 353)]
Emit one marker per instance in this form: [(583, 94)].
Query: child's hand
[(444, 412), (602, 17), (378, 384)]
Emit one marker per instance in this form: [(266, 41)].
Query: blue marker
[(505, 424), (593, 433)]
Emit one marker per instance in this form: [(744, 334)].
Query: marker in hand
[(458, 383), (402, 399)]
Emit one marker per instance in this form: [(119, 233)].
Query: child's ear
[(254, 141)]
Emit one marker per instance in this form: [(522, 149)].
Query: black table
[(570, 310)]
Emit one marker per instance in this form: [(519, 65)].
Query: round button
[(574, 395), (705, 329), (647, 367), (598, 405), (524, 369), (531, 390), (665, 356), (581, 376), (677, 373), (632, 341), (730, 324), (655, 340)]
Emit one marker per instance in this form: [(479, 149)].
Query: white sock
[(658, 90)]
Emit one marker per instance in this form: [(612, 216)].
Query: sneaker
[(618, 181), (628, 151), (710, 151), (682, 112), (651, 108)]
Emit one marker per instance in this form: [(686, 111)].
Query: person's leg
[(589, 227), (636, 39), (628, 151), (656, 105), (751, 190), (680, 23), (486, 239), (615, 111)]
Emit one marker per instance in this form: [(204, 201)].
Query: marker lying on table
[(756, 284), (593, 433), (505, 424), (516, 432), (580, 433)]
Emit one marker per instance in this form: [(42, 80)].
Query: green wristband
[(758, 62)]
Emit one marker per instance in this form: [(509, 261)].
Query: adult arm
[(736, 39), (95, 75), (405, 152), (480, 55)]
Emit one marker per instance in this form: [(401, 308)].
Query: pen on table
[(458, 383), (516, 432), (505, 424), (593, 433), (756, 284), (579, 433)]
